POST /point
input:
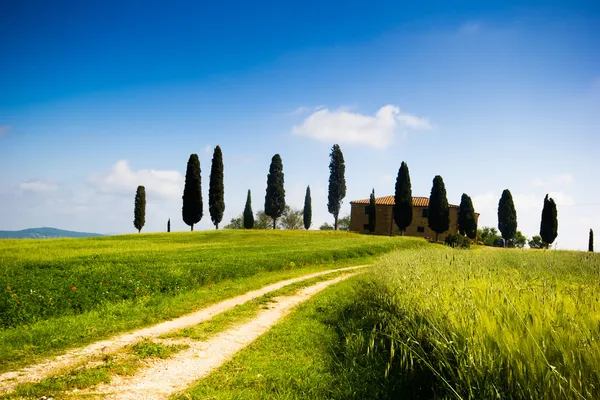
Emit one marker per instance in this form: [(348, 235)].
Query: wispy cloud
[(305, 110), (4, 129), (559, 179), (470, 28), (37, 186), (343, 126), (121, 179)]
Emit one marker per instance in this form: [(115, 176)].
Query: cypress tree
[(591, 241), (248, 215), (549, 224), (507, 216), (337, 183), (372, 212), (192, 193), (439, 212), (216, 192), (403, 204), (275, 197), (307, 209), (467, 225), (169, 225), (139, 212)]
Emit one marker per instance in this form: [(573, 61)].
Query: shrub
[(457, 240)]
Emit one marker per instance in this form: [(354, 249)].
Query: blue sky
[(98, 97)]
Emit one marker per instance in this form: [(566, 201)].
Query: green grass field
[(434, 323), (64, 292)]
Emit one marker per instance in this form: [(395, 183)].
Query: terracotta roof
[(389, 201)]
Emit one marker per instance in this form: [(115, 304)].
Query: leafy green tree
[(487, 235), (403, 203), (307, 215), (337, 183), (192, 193), (275, 197), (549, 224), (216, 191), (248, 215), (439, 212), (326, 227), (507, 216), (536, 242), (372, 212), (291, 218), (139, 212), (344, 223), (467, 225), (169, 225), (262, 221), (591, 241), (519, 241), (236, 223)]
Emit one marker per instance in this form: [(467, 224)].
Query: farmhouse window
[(425, 213), (420, 229)]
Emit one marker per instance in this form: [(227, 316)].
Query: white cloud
[(342, 126), (37, 186), (121, 179), (559, 179), (562, 199), (208, 149), (470, 28)]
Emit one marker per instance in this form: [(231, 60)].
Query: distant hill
[(44, 233)]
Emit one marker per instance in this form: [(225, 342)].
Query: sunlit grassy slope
[(62, 292)]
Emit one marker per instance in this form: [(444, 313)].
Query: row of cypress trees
[(192, 209), (439, 214)]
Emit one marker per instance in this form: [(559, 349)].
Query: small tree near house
[(439, 211), (403, 207), (591, 241), (337, 183), (467, 225), (169, 225), (372, 212)]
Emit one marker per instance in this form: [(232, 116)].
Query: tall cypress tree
[(192, 193), (275, 197), (439, 212), (403, 203), (307, 209), (248, 214), (549, 224), (507, 215), (372, 212), (139, 212), (216, 192), (467, 225), (591, 241), (337, 183), (169, 225)]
